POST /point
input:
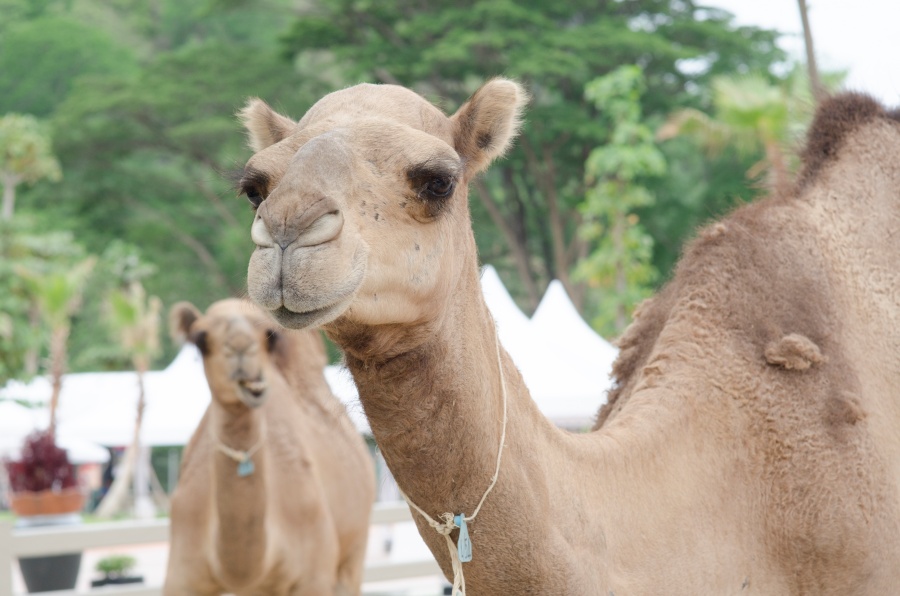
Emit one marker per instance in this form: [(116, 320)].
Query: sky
[(861, 36)]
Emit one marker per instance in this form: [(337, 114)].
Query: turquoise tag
[(463, 543), (246, 467)]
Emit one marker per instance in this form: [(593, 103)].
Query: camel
[(276, 485), (752, 443)]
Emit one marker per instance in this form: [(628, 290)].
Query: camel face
[(361, 205), (235, 342), (274, 499)]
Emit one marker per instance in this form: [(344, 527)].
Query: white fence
[(58, 540)]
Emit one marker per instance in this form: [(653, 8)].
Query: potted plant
[(44, 492), (42, 481), (115, 570)]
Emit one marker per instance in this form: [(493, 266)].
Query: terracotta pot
[(47, 502)]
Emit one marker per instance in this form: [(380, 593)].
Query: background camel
[(277, 485), (753, 443)]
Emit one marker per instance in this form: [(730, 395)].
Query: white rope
[(446, 527), (236, 454)]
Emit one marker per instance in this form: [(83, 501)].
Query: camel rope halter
[(462, 552), (244, 459)]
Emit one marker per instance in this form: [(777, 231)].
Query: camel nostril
[(323, 229), (260, 235)]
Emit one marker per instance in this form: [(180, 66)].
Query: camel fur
[(297, 524), (752, 442)]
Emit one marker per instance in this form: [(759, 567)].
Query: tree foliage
[(134, 319), (40, 60), (147, 155), (25, 156), (32, 261), (56, 292), (752, 114), (446, 49), (140, 97), (619, 267)]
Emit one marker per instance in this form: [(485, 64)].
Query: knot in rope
[(449, 523)]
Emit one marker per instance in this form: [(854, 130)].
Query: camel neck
[(241, 542), (436, 411)]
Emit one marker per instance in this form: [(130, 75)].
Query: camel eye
[(254, 197), (440, 187), (199, 340)]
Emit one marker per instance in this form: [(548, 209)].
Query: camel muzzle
[(252, 391)]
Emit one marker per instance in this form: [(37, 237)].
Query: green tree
[(134, 320), (25, 156), (147, 144), (57, 294), (750, 113), (147, 167), (41, 58), (620, 265), (444, 49), (16, 336)]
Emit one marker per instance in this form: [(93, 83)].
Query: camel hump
[(835, 119), (794, 352)]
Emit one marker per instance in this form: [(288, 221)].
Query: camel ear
[(485, 126), (265, 126), (181, 317)]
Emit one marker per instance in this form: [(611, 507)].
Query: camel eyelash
[(252, 181)]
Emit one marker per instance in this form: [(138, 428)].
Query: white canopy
[(17, 422), (564, 363), (102, 406), (565, 390), (557, 321)]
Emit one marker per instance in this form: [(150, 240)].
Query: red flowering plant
[(43, 480), (42, 465)]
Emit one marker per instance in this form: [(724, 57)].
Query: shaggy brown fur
[(299, 523), (773, 284), (751, 445)]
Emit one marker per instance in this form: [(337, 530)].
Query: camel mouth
[(312, 318), (253, 391)]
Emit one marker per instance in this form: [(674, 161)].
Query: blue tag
[(246, 467), (463, 543)]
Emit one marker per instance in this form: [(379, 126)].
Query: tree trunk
[(519, 252), (203, 254), (544, 172), (557, 229), (9, 195), (30, 361), (815, 82), (115, 500), (618, 238), (58, 338)]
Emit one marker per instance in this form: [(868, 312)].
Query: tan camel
[(753, 443), (276, 485)]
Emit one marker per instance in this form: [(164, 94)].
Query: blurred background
[(118, 144)]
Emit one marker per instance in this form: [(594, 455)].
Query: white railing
[(57, 540)]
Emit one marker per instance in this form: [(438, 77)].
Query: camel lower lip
[(255, 387), (252, 397), (301, 320)]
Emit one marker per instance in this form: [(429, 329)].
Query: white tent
[(102, 406), (557, 321), (17, 422), (568, 389), (565, 390)]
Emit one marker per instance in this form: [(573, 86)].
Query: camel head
[(237, 341), (361, 206)]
